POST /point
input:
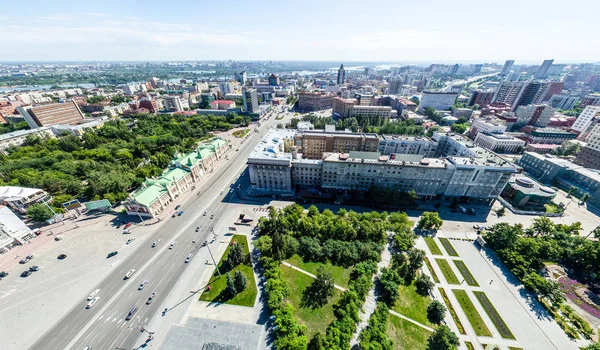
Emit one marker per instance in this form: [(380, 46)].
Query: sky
[(325, 30)]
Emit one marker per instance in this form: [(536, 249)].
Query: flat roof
[(271, 145)]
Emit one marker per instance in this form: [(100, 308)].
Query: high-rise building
[(250, 98), (590, 100), (543, 70), (585, 118), (563, 102), (553, 88), (481, 98), (395, 85), (441, 101), (530, 94), (507, 67), (242, 77), (508, 92), (273, 80), (226, 88), (536, 115), (173, 103), (341, 77), (67, 113)]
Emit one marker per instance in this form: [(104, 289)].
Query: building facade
[(250, 98), (341, 76), (499, 143), (536, 115), (52, 114), (17, 138), (314, 101), (585, 118), (313, 143), (441, 101)]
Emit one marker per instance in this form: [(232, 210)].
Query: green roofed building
[(183, 172)]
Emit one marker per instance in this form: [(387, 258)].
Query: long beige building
[(48, 115), (313, 143)]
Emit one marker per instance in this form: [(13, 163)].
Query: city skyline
[(244, 31)]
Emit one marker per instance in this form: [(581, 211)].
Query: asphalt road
[(104, 326)]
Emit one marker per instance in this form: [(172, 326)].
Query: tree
[(240, 281), (442, 339), (585, 198), (236, 255), (542, 226), (317, 342), (436, 311), (39, 212), (320, 290), (424, 284), (433, 130), (501, 212), (389, 282), (230, 287), (459, 128), (430, 221), (572, 190), (593, 346)]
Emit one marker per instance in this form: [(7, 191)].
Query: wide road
[(104, 326)]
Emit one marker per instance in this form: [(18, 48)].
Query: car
[(92, 302), (150, 298), (174, 215), (221, 192), (129, 274), (131, 313), (61, 256), (23, 261), (93, 294), (189, 257), (197, 228), (205, 212), (111, 254), (128, 225), (87, 348), (58, 238), (180, 213), (30, 257), (212, 216), (25, 273), (143, 284), (34, 268), (172, 245), (126, 231), (462, 209), (37, 231), (476, 227), (471, 211), (130, 240), (3, 274), (155, 243), (178, 206)]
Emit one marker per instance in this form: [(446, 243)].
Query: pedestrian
[(491, 281)]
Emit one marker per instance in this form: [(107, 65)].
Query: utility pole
[(213, 258)]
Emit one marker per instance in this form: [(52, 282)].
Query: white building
[(500, 143), (484, 125), (130, 89), (537, 115), (563, 102), (17, 138), (174, 103), (398, 144), (585, 118), (20, 198), (441, 101), (226, 88), (13, 231)]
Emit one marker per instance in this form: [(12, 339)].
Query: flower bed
[(569, 288), (433, 247), (466, 273), (447, 271), (491, 311), (461, 328), (448, 246), (433, 274), (473, 315)]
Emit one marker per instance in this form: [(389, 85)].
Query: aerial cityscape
[(297, 179)]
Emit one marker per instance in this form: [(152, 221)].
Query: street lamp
[(213, 258)]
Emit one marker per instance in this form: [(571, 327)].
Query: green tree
[(230, 287), (236, 255), (424, 284), (585, 198), (436, 311), (459, 128), (39, 212), (542, 226), (430, 221), (433, 130), (442, 339), (317, 342), (320, 290), (389, 282), (572, 190), (240, 281), (593, 346)]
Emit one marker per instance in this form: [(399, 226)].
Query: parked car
[(23, 261), (471, 211), (128, 225), (34, 268), (3, 274), (30, 257), (62, 256), (178, 206), (25, 273), (126, 231), (58, 238), (180, 213), (111, 254), (130, 240), (462, 209)]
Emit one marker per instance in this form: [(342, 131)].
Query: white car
[(143, 284), (189, 257), (129, 274), (94, 293), (155, 243), (151, 298), (92, 302), (172, 245)]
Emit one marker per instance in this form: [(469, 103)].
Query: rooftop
[(8, 193), (272, 145), (530, 187)]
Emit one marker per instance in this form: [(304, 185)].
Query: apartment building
[(174, 104), (395, 144), (314, 101), (563, 102), (441, 101), (481, 98), (585, 118), (342, 107), (52, 114), (313, 143), (508, 92), (536, 115), (550, 136), (492, 126), (17, 138), (250, 98), (500, 143), (276, 167)]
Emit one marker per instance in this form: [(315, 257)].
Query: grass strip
[(469, 345), (433, 274), (447, 271), (448, 246), (218, 283), (459, 325), (466, 273), (493, 314), (433, 247), (473, 316), (514, 348)]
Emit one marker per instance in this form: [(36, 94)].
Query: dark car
[(62, 256), (25, 273), (131, 313), (471, 211), (111, 254), (23, 261), (34, 268), (177, 207), (180, 213), (3, 274)]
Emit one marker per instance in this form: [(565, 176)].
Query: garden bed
[(466, 273), (218, 283), (473, 315), (448, 246), (240, 133), (447, 271), (459, 325), (493, 314), (433, 247), (433, 274)]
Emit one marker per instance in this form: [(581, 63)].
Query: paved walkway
[(411, 320)]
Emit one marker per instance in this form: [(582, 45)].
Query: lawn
[(433, 247), (461, 328), (493, 314), (469, 345), (407, 335), (433, 274), (315, 319), (217, 284), (447, 271), (448, 246), (413, 305), (240, 133), (473, 316), (340, 275), (466, 273)]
